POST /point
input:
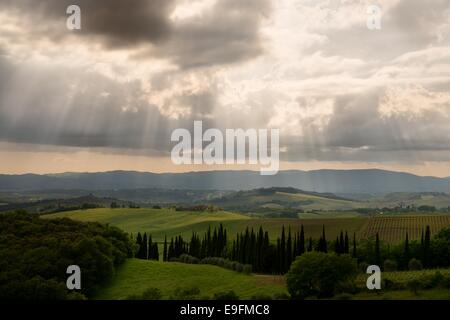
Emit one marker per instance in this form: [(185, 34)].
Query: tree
[(155, 251), (319, 274), (165, 249), (150, 254), (310, 245), (346, 244), (144, 249), (377, 251), (139, 245), (301, 243), (288, 250), (426, 247), (323, 241), (341, 243), (415, 264), (354, 245), (283, 251), (406, 253)]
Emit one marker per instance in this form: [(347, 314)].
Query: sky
[(108, 96)]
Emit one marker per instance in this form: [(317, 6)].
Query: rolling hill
[(169, 222), (371, 181), (283, 200)]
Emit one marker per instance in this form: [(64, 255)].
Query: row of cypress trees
[(147, 249), (255, 248), (249, 247)]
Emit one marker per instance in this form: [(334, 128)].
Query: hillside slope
[(138, 275)]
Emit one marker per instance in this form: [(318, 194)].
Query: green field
[(284, 198), (135, 276), (161, 222)]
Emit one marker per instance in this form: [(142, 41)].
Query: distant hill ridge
[(372, 181)]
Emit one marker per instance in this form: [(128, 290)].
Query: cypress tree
[(143, 254), (421, 239), (377, 251), (283, 251), (155, 251), (406, 253), (295, 246), (139, 243), (259, 249), (310, 244), (165, 249), (323, 246), (171, 251), (279, 267), (346, 244), (150, 248), (354, 245), (301, 244), (341, 242), (288, 251), (426, 247), (337, 246)]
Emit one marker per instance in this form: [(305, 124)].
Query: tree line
[(255, 248)]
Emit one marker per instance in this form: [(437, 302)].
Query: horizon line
[(215, 171)]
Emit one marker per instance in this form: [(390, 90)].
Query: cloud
[(337, 91), (116, 23), (226, 33), (406, 25)]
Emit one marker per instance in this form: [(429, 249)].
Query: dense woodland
[(275, 257), (35, 254)]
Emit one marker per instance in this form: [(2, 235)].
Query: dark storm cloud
[(117, 23), (226, 33)]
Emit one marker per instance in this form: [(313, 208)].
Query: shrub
[(247, 269), (239, 267), (152, 294), (433, 281), (185, 258), (415, 264), (389, 265), (318, 273), (414, 286), (226, 295), (187, 293)]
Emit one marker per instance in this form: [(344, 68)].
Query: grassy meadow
[(136, 275), (161, 222)]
